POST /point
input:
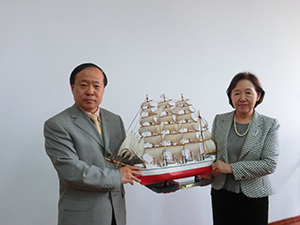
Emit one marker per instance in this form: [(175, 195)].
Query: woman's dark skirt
[(237, 209)]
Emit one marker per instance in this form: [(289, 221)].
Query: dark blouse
[(234, 145)]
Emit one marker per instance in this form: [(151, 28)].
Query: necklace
[(237, 133)]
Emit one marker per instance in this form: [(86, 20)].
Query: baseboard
[(287, 221)]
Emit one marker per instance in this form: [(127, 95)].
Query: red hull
[(152, 179)]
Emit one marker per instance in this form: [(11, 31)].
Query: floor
[(288, 221)]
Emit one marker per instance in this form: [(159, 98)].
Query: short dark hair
[(246, 76), (83, 66)]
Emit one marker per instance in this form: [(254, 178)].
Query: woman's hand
[(221, 167)]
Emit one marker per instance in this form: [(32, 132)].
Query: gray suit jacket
[(90, 186), (258, 158)]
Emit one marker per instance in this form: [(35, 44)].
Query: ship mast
[(201, 132)]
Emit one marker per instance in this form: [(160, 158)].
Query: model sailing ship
[(170, 142)]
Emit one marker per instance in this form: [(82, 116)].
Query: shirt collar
[(88, 114)]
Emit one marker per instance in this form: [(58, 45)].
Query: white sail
[(209, 146), (158, 111), (188, 126), (154, 129), (186, 109), (204, 123), (146, 105), (165, 103), (176, 151), (131, 146), (168, 118), (197, 125), (148, 119), (191, 136), (146, 112), (155, 140), (195, 148), (207, 135), (181, 102), (167, 110), (138, 149), (127, 144), (172, 127), (175, 138), (156, 153), (176, 110), (186, 117), (191, 126)]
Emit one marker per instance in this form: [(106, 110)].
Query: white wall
[(152, 47)]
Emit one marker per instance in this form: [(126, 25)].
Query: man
[(91, 188)]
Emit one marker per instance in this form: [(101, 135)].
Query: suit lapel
[(226, 125), (253, 135), (83, 122), (106, 131)]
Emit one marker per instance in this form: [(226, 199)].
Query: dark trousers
[(237, 209)]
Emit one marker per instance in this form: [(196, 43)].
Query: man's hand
[(130, 174)]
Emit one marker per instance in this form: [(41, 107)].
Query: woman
[(247, 152)]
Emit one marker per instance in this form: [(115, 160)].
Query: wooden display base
[(172, 186)]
